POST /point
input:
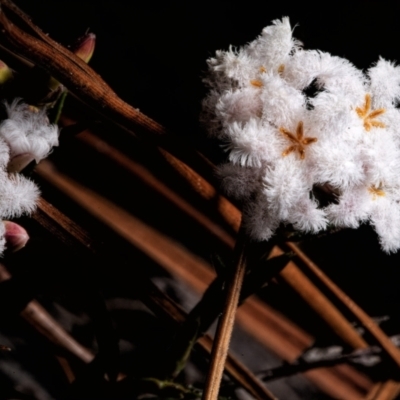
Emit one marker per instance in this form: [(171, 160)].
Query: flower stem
[(226, 321)]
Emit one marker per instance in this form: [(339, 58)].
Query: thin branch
[(325, 361), (41, 320), (72, 72), (321, 304), (163, 306), (208, 308), (381, 338), (150, 180), (388, 390), (223, 334)]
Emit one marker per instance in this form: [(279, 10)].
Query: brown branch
[(388, 390), (150, 180), (44, 323), (223, 334), (295, 278), (163, 306), (382, 339), (72, 72)]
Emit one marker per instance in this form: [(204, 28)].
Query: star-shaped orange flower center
[(369, 116), (299, 142), (376, 191)]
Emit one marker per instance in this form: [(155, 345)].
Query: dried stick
[(357, 311), (323, 361), (44, 323), (162, 305), (387, 391), (320, 303), (147, 177), (223, 334), (67, 68)]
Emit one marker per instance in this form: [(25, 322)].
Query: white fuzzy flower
[(25, 135), (28, 135), (284, 142)]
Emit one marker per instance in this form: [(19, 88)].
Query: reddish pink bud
[(16, 236), (84, 47)]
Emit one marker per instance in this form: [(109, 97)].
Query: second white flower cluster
[(25, 136), (285, 143)]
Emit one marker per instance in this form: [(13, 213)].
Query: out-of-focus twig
[(388, 390), (41, 320), (366, 321), (320, 303), (323, 361), (149, 179)]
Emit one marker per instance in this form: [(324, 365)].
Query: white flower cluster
[(286, 146), (25, 135)]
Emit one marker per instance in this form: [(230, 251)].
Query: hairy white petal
[(27, 131), (18, 195), (385, 83)]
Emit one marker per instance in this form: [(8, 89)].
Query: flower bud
[(15, 235), (5, 72), (84, 47)]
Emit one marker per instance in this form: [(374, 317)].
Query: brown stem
[(388, 390), (146, 176), (45, 324), (357, 311), (225, 325), (163, 306), (295, 278), (77, 76)]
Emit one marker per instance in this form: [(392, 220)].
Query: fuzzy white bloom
[(286, 145), (25, 135)]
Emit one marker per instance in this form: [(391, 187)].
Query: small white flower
[(283, 143), (25, 135), (28, 135)]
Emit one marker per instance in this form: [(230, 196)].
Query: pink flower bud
[(84, 47), (16, 236)]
